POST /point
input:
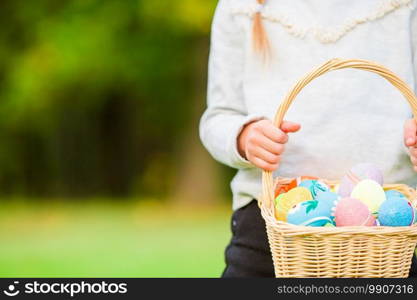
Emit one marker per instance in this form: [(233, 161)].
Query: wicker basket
[(354, 251)]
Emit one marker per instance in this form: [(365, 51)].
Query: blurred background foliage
[(98, 97), (100, 102)]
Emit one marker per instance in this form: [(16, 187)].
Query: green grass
[(111, 239)]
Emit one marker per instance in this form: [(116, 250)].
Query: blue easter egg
[(394, 193), (396, 211), (415, 216), (311, 213), (315, 186), (331, 198), (328, 196)]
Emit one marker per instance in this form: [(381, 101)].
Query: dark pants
[(248, 254)]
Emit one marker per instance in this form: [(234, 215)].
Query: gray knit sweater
[(347, 116)]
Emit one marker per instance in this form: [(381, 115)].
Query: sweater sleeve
[(226, 113)]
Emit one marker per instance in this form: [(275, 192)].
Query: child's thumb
[(410, 132), (288, 126)]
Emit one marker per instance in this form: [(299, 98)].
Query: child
[(258, 51)]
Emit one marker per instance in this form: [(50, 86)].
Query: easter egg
[(335, 188), (288, 200), (315, 186), (328, 196), (394, 193), (282, 188), (356, 174), (311, 213), (352, 212), (370, 193), (279, 214), (415, 215), (396, 211), (278, 198)]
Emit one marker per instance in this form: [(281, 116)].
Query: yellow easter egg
[(335, 188), (286, 201), (279, 213), (370, 193)]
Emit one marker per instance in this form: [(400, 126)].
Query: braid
[(260, 39)]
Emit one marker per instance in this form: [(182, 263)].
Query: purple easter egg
[(357, 173)]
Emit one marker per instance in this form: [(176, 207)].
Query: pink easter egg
[(352, 212), (357, 173)]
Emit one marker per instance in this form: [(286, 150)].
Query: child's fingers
[(263, 164), (410, 133), (266, 156), (413, 151), (269, 145), (288, 126), (274, 134), (413, 160)]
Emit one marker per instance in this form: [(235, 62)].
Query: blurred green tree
[(95, 96)]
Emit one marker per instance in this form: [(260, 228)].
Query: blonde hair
[(260, 39)]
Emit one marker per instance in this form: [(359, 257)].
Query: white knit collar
[(321, 33)]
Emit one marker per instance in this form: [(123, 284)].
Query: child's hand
[(262, 143), (410, 140)]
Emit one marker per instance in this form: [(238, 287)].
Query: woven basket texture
[(354, 251)]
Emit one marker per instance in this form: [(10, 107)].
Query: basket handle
[(331, 65)]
